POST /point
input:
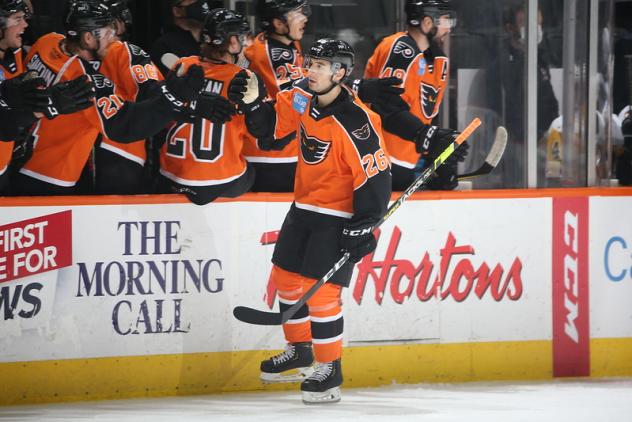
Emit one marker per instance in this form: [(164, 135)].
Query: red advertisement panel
[(35, 246), (571, 336)]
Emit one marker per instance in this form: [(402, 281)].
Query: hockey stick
[(494, 156), (257, 317)]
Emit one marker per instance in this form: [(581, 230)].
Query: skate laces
[(284, 356), (322, 371)]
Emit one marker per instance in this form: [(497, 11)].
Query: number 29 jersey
[(202, 153)]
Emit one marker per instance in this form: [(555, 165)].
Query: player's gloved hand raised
[(357, 239), (213, 107), (246, 90), (431, 141), (185, 86), (377, 89), (70, 97), (25, 92)]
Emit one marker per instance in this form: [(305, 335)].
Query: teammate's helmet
[(267, 10), (120, 10), (338, 52), (416, 10), (9, 7), (87, 15), (221, 24)]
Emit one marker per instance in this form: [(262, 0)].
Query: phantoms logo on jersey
[(429, 96), (313, 150), (363, 133)]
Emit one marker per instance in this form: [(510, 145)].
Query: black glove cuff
[(403, 124)]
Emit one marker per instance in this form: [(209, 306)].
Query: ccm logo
[(360, 232), (570, 275)]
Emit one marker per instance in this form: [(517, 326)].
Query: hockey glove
[(70, 97), (357, 239), (246, 90), (213, 107), (185, 87), (378, 89), (25, 92), (431, 141)]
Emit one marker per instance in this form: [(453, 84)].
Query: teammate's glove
[(213, 107), (25, 92), (70, 97), (431, 141), (357, 239), (185, 87), (385, 91), (246, 90)]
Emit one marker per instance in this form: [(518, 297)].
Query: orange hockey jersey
[(203, 153), (136, 78), (343, 169), (279, 66), (62, 145), (10, 67), (425, 82)]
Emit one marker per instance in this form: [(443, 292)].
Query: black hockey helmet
[(338, 52), (267, 10), (9, 7), (416, 10), (87, 16), (221, 24), (120, 10)]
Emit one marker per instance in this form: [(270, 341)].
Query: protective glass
[(299, 14), (105, 33), (447, 20), (317, 66)]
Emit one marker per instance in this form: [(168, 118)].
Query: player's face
[(321, 74), (16, 25), (296, 22)]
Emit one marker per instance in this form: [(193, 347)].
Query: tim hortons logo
[(455, 276)]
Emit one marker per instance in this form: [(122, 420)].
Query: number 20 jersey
[(203, 153), (425, 81)]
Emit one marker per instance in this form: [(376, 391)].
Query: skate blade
[(298, 376), (325, 397)]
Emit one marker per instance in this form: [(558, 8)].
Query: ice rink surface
[(558, 401)]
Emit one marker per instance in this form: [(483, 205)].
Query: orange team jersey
[(133, 73), (425, 82), (279, 66), (62, 145), (10, 67), (343, 169), (203, 153)]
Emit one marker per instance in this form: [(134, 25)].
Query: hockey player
[(202, 158), (182, 38), (64, 144), (276, 56), (416, 57), (23, 96), (342, 189)]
